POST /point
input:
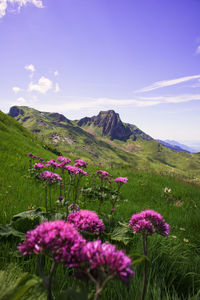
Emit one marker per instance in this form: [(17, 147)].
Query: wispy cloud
[(17, 5), (198, 50), (21, 101), (57, 88), (42, 86), (160, 84), (30, 68), (16, 89), (107, 103), (56, 73)]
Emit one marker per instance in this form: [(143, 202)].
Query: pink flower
[(50, 176), (75, 170), (86, 221), (56, 238), (103, 173), (121, 179), (105, 258), (80, 163), (64, 159), (149, 221), (38, 166)]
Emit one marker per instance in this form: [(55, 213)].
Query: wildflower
[(174, 236), (149, 221), (167, 190), (75, 170), (64, 159), (50, 176), (38, 166), (179, 203), (182, 229), (102, 173), (80, 163), (40, 158), (30, 154), (106, 259), (186, 240), (86, 221), (74, 207), (56, 238), (121, 180)]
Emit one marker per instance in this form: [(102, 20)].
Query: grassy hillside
[(88, 143), (175, 262)]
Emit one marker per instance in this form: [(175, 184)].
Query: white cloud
[(56, 73), (29, 67), (57, 88), (21, 100), (5, 4), (164, 83), (16, 89), (44, 85), (198, 50), (105, 103)]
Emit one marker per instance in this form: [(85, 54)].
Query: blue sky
[(138, 57)]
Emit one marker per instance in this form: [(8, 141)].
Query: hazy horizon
[(139, 58)]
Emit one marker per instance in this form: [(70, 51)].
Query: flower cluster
[(121, 179), (149, 221), (75, 170), (105, 258), (38, 166), (58, 239), (80, 163), (50, 176), (103, 173), (86, 221), (64, 159)]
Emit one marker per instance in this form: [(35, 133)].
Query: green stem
[(47, 281), (145, 249)]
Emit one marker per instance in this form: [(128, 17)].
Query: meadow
[(173, 262)]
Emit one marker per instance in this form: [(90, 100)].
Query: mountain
[(110, 125), (182, 146), (173, 146), (104, 139)]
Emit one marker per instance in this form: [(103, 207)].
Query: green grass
[(175, 262)]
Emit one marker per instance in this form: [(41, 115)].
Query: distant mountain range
[(177, 146), (105, 138)]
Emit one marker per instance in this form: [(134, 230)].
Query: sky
[(140, 58)]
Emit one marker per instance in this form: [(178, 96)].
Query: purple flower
[(75, 170), (86, 221), (38, 166), (121, 179), (40, 158), (64, 159), (103, 173), (52, 163), (149, 221), (74, 207), (105, 258), (30, 154), (56, 238), (50, 176), (80, 163)]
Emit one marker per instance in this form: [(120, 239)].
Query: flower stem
[(47, 281), (145, 249)]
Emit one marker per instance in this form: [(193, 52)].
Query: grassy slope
[(88, 143)]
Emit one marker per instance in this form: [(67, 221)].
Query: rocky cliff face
[(15, 111), (111, 125)]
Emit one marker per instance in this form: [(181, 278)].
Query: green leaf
[(8, 230), (24, 284), (120, 234)]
